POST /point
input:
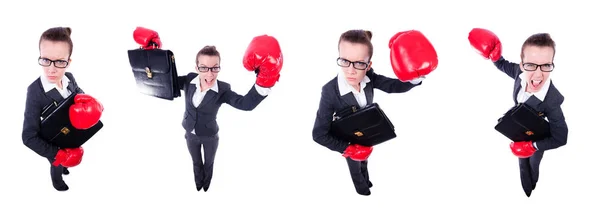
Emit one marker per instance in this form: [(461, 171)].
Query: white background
[(447, 162)]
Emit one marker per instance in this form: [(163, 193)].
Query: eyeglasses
[(544, 67), (57, 63), (213, 69), (357, 65)]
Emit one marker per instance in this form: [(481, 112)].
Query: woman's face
[(354, 60), (208, 68), (54, 59)]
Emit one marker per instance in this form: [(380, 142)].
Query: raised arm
[(248, 102), (31, 126), (390, 85), (321, 130), (489, 46)]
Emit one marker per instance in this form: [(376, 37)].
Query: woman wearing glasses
[(53, 86), (204, 95), (534, 88), (354, 85)]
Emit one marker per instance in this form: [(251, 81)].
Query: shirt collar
[(345, 87), (539, 94), (215, 87), (47, 85)]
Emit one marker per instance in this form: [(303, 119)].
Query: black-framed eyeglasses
[(544, 67), (206, 69), (57, 63), (357, 65)]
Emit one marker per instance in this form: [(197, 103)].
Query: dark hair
[(358, 36), (209, 50), (58, 34), (540, 40)]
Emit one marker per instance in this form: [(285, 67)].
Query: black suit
[(36, 100), (529, 167), (203, 120), (331, 101)]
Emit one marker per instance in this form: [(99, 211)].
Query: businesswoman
[(204, 94), (353, 86), (534, 88), (51, 87)]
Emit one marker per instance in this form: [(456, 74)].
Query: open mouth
[(535, 83), (209, 81)]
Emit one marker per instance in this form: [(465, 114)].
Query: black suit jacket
[(36, 100), (204, 118), (550, 107), (331, 101)]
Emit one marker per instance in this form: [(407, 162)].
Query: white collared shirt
[(345, 88), (523, 95), (47, 85), (199, 94)]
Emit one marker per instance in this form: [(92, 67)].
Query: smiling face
[(537, 64), (58, 52), (207, 70), (358, 54)]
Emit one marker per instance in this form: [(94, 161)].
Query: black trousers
[(360, 176), (530, 171), (56, 172), (203, 168)]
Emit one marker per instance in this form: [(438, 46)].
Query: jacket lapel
[(369, 93), (190, 94), (207, 98), (71, 87)]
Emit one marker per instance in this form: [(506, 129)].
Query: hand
[(68, 157), (522, 149), (263, 56), (412, 55), (147, 38), (486, 43), (85, 112), (357, 152)]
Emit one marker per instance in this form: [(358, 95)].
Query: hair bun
[(67, 30), (369, 34)]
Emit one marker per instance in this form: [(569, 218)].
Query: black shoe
[(364, 192), (206, 187), (65, 171), (60, 185), (198, 187), (370, 184)]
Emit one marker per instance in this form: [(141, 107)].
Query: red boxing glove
[(85, 112), (68, 157), (263, 56), (412, 55), (147, 38), (357, 152), (522, 149), (486, 43)]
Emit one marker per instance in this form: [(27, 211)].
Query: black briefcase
[(155, 72), (368, 126), (523, 123), (56, 126)]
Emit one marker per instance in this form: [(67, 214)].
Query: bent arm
[(31, 127), (510, 68), (558, 131), (321, 130), (390, 85), (248, 102)]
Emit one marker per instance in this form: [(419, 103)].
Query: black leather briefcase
[(155, 72), (523, 123), (56, 126), (368, 126)]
